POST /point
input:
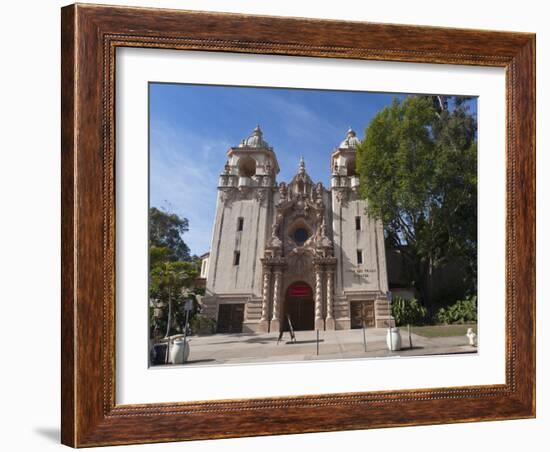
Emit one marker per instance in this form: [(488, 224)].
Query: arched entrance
[(299, 306)]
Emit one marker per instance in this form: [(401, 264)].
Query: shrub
[(463, 311), (201, 324), (408, 312)]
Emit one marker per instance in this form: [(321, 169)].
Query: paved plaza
[(257, 348)]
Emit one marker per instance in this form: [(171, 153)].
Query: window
[(357, 223), (359, 257), (240, 223), (300, 236), (236, 258)]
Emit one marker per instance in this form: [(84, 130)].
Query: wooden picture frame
[(90, 36)]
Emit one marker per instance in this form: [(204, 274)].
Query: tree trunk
[(422, 277), (169, 313), (429, 284)]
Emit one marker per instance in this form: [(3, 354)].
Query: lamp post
[(187, 306), (364, 333), (389, 298)]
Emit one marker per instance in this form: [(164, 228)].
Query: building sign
[(362, 272), (300, 290)]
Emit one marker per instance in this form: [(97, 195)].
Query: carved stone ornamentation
[(266, 286), (329, 322), (341, 196), (265, 293), (226, 196), (283, 192), (261, 195), (319, 191), (275, 319), (319, 322), (274, 243)]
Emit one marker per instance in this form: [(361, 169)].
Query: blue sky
[(192, 127)]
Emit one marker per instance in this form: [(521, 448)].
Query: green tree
[(170, 283), (165, 231), (418, 171), (157, 255)]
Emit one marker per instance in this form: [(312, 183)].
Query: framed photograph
[(282, 225)]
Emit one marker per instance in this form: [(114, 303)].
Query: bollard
[(317, 342)]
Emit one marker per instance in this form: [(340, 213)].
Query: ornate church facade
[(293, 251)]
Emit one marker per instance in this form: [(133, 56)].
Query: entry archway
[(299, 306)]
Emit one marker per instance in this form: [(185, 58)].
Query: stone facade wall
[(371, 274), (224, 276)]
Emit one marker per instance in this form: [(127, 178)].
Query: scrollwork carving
[(261, 195)]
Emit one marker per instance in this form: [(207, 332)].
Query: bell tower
[(244, 212), (343, 163), (251, 164), (361, 278)]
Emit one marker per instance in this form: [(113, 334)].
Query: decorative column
[(319, 322), (329, 324), (275, 319), (264, 320)]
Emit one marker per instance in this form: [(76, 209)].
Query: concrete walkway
[(258, 348)]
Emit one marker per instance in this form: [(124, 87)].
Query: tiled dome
[(255, 140), (351, 140)]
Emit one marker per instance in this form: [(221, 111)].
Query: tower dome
[(255, 140), (351, 140)]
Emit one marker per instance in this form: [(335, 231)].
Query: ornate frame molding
[(90, 37)]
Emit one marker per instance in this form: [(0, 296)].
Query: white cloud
[(299, 121), (183, 178)]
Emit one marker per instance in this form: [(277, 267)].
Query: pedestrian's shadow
[(252, 340), (313, 341)]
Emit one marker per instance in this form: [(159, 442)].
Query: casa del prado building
[(293, 250)]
